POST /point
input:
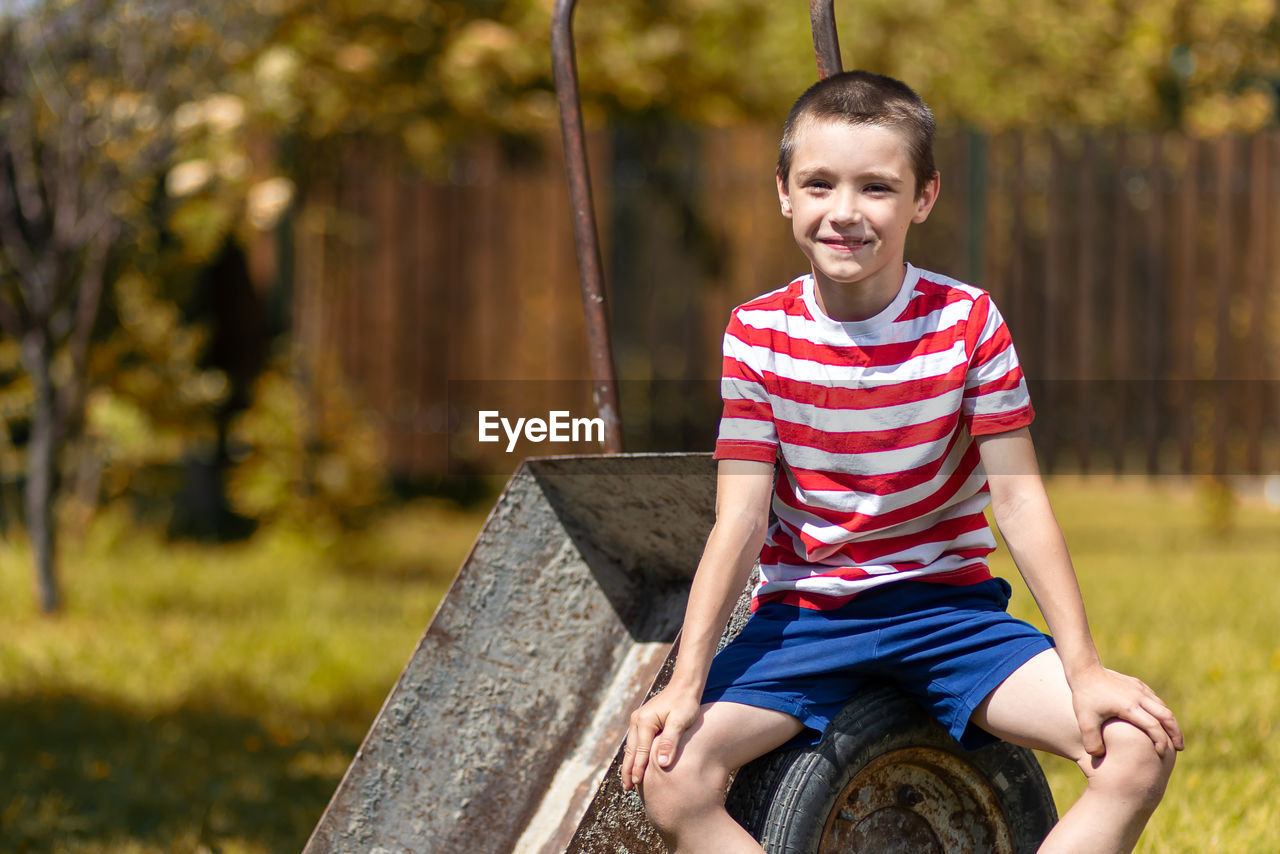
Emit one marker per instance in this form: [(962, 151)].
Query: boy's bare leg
[(1033, 708), (686, 801)]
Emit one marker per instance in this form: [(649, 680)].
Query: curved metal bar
[(826, 44), (585, 236)]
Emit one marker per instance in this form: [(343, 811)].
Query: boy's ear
[(784, 198), (928, 195)]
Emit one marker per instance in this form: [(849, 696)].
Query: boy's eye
[(878, 189)]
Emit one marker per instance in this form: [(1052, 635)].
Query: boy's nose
[(844, 209)]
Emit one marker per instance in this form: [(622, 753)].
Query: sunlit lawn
[(1196, 615), (194, 698), (197, 698)]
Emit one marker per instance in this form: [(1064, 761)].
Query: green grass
[(205, 699), (1195, 614), (208, 699)]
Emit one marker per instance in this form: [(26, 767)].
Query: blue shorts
[(946, 646)]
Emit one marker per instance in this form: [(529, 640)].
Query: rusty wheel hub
[(916, 801)]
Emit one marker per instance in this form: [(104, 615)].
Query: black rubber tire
[(794, 801)]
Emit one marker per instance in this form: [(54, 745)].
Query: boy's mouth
[(845, 244)]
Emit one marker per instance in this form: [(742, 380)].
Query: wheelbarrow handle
[(826, 47), (826, 44), (604, 388)]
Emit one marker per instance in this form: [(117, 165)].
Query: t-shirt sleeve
[(747, 430), (996, 399)]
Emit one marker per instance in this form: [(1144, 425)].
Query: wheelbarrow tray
[(500, 730)]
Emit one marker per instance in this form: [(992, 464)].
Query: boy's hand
[(1100, 695), (656, 727)]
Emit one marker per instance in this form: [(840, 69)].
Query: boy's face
[(851, 197)]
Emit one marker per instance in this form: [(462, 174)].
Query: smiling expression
[(851, 197)]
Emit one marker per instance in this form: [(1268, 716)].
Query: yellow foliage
[(309, 453), (1222, 112), (995, 63)]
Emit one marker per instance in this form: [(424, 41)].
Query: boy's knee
[(1132, 765), (676, 797)]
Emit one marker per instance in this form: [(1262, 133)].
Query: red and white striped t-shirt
[(872, 423)]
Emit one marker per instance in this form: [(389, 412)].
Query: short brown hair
[(864, 98)]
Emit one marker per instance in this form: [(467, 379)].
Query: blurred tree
[(320, 470), (90, 98), (1207, 67), (432, 73), (155, 399), (60, 215)]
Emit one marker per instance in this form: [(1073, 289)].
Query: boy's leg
[(1033, 708), (686, 801)]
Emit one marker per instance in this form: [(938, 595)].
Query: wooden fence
[(1138, 273)]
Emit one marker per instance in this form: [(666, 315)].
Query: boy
[(892, 401)]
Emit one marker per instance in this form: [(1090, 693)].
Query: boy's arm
[(743, 493), (1022, 512)]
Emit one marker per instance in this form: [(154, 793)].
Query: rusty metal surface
[(826, 43), (918, 800), (499, 730), (585, 235), (615, 822)]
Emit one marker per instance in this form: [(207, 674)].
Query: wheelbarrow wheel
[(887, 778)]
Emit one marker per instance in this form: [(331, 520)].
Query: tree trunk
[(37, 354)]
